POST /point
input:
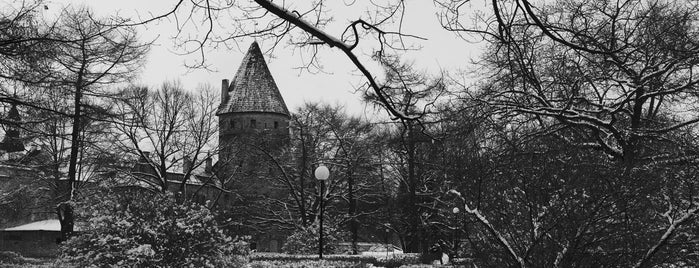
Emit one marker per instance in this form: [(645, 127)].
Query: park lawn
[(257, 260)]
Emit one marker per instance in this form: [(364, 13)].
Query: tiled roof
[(253, 89)]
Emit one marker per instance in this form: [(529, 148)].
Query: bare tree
[(165, 129), (97, 56), (353, 142), (25, 42), (617, 77), (225, 23), (615, 71), (414, 94)]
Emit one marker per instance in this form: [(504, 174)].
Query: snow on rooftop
[(45, 225)]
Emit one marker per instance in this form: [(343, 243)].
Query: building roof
[(45, 225), (143, 170), (253, 89), (12, 142)]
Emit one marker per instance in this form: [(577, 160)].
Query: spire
[(12, 142), (252, 89)]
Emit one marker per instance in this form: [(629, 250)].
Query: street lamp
[(322, 173), (456, 211), (388, 232)]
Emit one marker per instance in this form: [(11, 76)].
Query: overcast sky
[(441, 51)]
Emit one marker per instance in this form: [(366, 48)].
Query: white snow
[(45, 225)]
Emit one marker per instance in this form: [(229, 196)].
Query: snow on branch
[(491, 228), (669, 232), (334, 42)]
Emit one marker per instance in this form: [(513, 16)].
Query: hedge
[(393, 260)]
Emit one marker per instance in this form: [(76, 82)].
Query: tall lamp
[(322, 173), (456, 211)]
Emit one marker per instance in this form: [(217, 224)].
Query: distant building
[(25, 194), (27, 198), (35, 239), (201, 185)]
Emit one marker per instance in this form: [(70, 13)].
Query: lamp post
[(386, 239), (456, 211), (322, 173)]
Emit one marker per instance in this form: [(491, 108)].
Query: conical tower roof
[(12, 142), (253, 89)]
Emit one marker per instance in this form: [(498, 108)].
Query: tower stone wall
[(268, 131)]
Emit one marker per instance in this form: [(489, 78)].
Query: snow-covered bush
[(150, 230), (309, 264), (305, 240), (311, 260)]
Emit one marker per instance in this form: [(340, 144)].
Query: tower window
[(276, 124), (232, 124), (253, 123)]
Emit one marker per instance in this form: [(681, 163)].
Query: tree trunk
[(67, 220), (352, 210), (302, 178), (413, 241), (631, 148), (65, 208)]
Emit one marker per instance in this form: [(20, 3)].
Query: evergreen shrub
[(150, 230)]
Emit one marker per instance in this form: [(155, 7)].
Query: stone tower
[(253, 125), (252, 110)]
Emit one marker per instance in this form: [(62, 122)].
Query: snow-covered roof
[(253, 89), (45, 225), (194, 179)]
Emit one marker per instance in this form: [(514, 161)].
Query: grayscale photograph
[(349, 133)]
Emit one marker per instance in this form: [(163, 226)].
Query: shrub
[(151, 230), (11, 257), (311, 257), (398, 260), (390, 261), (308, 264), (305, 240)]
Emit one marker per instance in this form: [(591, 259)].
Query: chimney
[(224, 91), (208, 168), (143, 165), (186, 164)]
